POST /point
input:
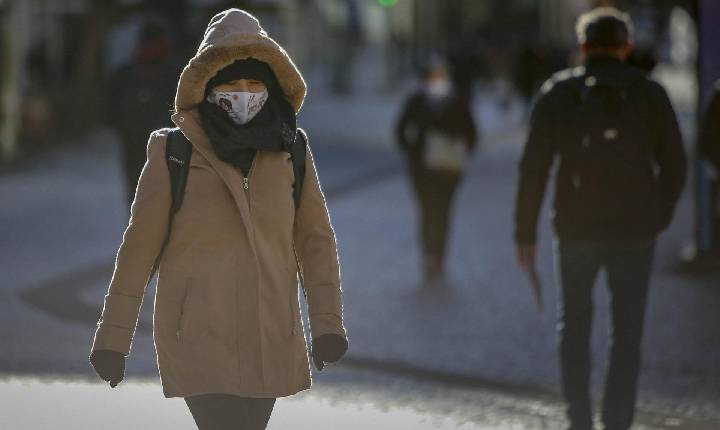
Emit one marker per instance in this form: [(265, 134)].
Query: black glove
[(328, 348), (109, 365)]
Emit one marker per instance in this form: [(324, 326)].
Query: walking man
[(621, 168)]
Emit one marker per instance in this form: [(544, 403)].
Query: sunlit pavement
[(81, 406), (342, 398), (330, 405), (138, 406)]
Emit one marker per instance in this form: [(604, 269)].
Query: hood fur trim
[(215, 55)]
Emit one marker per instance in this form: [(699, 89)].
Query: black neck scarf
[(270, 130)]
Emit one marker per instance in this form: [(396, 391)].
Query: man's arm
[(470, 129), (535, 166), (405, 121)]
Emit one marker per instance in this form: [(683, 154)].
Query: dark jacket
[(419, 115), (710, 129), (628, 188), (139, 100)]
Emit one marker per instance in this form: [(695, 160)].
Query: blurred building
[(47, 48), (51, 72)]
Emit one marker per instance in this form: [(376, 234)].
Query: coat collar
[(610, 71), (603, 60), (189, 124)]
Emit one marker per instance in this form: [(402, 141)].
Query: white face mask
[(439, 88), (241, 106)]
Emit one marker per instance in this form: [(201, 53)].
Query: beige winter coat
[(227, 315)]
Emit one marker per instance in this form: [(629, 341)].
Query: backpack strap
[(297, 154), (178, 151)]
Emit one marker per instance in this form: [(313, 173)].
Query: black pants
[(435, 191), (228, 412), (628, 265)]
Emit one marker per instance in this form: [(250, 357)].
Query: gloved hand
[(109, 365), (328, 348)]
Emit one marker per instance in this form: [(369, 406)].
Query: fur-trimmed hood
[(233, 35)]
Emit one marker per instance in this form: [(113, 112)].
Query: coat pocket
[(184, 320), (295, 324)]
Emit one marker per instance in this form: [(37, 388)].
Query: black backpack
[(611, 158), (178, 151)]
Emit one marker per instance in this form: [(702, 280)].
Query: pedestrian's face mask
[(439, 87), (240, 106)]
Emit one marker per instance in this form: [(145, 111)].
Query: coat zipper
[(246, 179)]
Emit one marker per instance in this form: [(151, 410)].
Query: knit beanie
[(248, 68)]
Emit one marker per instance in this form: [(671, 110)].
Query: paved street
[(347, 400), (344, 398), (473, 352)]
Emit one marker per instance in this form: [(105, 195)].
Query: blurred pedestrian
[(621, 169), (530, 70), (344, 27), (710, 149), (227, 325), (465, 56), (437, 133), (139, 97)]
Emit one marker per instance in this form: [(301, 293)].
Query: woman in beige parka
[(226, 323)]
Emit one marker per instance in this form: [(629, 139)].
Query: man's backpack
[(610, 160)]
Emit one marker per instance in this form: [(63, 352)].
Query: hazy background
[(474, 354)]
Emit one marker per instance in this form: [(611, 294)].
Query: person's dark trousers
[(628, 265), (229, 412), (435, 192)]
